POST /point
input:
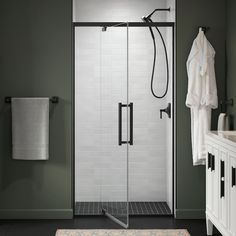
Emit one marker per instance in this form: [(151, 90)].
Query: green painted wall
[(190, 14), (231, 57), (35, 60)]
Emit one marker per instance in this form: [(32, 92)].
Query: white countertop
[(225, 136)]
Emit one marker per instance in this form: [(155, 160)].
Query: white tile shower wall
[(117, 10), (169, 131), (170, 128), (100, 84), (148, 154), (171, 15)]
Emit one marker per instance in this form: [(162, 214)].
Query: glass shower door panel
[(151, 160), (114, 123)]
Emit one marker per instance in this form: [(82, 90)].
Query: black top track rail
[(123, 24)]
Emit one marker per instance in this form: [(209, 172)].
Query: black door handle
[(120, 106), (233, 177), (222, 179), (131, 125), (212, 162)]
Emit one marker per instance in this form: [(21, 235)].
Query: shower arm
[(158, 9)]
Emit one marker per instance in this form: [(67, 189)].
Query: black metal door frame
[(123, 24)]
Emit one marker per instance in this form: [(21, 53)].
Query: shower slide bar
[(53, 99), (120, 106)]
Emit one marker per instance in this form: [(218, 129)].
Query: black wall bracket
[(167, 110)]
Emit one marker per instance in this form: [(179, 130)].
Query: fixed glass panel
[(151, 156), (88, 132)]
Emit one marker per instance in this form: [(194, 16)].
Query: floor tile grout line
[(161, 209), (118, 208)]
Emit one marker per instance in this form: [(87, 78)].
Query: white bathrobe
[(202, 94)]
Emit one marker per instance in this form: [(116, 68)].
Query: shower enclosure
[(123, 147)]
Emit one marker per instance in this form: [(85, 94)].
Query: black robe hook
[(204, 28)]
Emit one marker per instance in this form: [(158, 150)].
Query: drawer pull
[(212, 162), (209, 160), (233, 177)]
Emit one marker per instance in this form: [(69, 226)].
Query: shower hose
[(154, 62)]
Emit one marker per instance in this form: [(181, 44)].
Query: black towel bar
[(53, 99)]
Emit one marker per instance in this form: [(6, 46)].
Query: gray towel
[(30, 128)]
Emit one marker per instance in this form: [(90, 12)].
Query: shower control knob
[(167, 110)]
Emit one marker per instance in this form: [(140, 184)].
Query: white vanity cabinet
[(221, 182), (232, 194)]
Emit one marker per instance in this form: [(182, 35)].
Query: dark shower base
[(117, 208)]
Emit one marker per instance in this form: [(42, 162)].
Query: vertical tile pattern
[(116, 10), (100, 73), (148, 154)]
